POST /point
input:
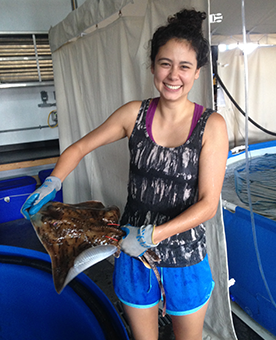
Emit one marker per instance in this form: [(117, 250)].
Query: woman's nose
[(173, 72)]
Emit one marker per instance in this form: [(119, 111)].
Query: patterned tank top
[(163, 182)]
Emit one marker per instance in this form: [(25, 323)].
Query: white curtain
[(97, 72), (261, 93)]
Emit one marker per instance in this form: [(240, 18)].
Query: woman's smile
[(173, 87)]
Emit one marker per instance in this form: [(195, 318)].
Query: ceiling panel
[(260, 17)]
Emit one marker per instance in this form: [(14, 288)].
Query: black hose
[(240, 109)]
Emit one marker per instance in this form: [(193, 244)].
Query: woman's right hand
[(45, 193), (137, 240)]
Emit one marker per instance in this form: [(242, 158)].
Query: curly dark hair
[(184, 25)]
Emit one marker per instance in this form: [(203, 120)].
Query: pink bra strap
[(150, 115)]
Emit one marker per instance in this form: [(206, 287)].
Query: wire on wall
[(52, 114)]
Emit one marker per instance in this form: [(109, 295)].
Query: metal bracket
[(215, 18)]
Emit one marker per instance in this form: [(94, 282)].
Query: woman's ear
[(197, 73), (152, 68)]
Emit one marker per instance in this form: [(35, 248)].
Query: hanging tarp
[(90, 13), (262, 39), (261, 93)]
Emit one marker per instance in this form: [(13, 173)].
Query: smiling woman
[(175, 179)]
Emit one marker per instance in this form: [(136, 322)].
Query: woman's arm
[(119, 125), (212, 164)]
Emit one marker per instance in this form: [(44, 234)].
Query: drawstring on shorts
[(162, 280), (150, 284), (150, 280)]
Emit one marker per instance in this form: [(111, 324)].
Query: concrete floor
[(20, 233)]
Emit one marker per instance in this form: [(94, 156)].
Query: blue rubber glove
[(137, 240), (45, 193)]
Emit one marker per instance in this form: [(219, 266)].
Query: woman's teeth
[(171, 87)]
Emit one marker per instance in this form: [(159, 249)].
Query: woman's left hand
[(137, 240)]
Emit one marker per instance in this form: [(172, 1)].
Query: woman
[(178, 152)]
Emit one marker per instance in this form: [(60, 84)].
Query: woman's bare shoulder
[(132, 106), (126, 115), (216, 129), (215, 120)]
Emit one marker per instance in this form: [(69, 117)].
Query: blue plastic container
[(42, 176), (249, 290), (13, 193), (31, 309)]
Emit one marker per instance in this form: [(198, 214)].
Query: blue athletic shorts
[(187, 288)]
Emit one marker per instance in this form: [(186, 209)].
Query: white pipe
[(228, 205)]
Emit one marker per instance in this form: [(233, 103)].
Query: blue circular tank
[(32, 310)]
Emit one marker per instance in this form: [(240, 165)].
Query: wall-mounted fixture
[(215, 18), (44, 98)]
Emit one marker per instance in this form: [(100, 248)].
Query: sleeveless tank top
[(163, 182)]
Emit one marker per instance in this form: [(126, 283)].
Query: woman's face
[(175, 69)]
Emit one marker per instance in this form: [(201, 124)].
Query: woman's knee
[(189, 327), (143, 322)]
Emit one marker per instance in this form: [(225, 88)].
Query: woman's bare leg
[(189, 327), (143, 322)]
